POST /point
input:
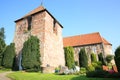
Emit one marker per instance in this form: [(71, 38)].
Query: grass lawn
[(1, 71), (40, 76)]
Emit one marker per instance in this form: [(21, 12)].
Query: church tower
[(42, 24)]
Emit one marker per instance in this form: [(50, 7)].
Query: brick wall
[(95, 48), (49, 33)]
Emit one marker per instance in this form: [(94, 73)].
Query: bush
[(97, 65), (31, 55), (69, 57), (93, 57), (82, 70), (90, 68), (76, 63), (102, 74), (8, 56), (2, 48), (117, 58), (101, 59), (83, 58), (97, 74), (109, 58)]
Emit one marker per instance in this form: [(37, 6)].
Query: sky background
[(77, 16)]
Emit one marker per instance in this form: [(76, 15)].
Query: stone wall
[(54, 54), (108, 50), (94, 48), (49, 33)]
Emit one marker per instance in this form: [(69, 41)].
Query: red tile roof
[(37, 10), (40, 8), (86, 39)]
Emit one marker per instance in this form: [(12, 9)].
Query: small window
[(54, 27), (29, 19)]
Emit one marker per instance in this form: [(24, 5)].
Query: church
[(41, 23)]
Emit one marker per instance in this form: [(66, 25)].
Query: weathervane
[(41, 2)]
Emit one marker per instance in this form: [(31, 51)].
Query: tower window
[(54, 27), (29, 19)]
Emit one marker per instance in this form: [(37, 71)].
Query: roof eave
[(39, 12)]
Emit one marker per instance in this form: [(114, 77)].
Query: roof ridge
[(101, 38), (38, 9), (82, 34)]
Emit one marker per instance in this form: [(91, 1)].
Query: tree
[(93, 57), (69, 57), (109, 58), (8, 56), (83, 58), (2, 44), (2, 35), (101, 59), (2, 48), (31, 54), (117, 58)]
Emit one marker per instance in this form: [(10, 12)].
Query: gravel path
[(3, 76)]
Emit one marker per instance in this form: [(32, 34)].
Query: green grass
[(40, 76), (4, 70)]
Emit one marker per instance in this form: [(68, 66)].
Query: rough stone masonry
[(42, 24)]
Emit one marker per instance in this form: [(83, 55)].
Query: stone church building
[(93, 43), (40, 22)]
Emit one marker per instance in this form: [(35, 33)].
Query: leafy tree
[(31, 54), (101, 59), (93, 57), (8, 56), (69, 57), (117, 58), (2, 48), (83, 58), (2, 35), (109, 58)]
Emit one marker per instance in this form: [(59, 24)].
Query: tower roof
[(38, 10), (85, 39)]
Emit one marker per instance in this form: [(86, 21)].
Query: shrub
[(83, 58), (97, 74), (8, 56), (97, 65), (102, 74), (76, 63), (109, 58), (117, 58), (31, 55), (90, 68), (2, 48), (82, 70), (69, 57), (100, 56), (93, 57)]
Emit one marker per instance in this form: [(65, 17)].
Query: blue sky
[(77, 16)]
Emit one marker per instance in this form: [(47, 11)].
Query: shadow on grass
[(82, 77)]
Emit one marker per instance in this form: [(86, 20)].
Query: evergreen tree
[(93, 57), (101, 59), (2, 48), (117, 58), (109, 58), (31, 54), (69, 57), (8, 56), (2, 35), (83, 58)]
